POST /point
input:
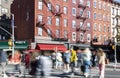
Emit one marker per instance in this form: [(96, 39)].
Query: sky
[(117, 0)]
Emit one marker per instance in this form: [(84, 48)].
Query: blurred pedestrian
[(79, 56), (58, 60), (66, 59), (17, 61), (27, 60), (73, 60), (101, 61), (86, 61), (43, 67), (3, 61), (53, 58), (94, 58)]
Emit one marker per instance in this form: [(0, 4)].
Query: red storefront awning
[(59, 47)]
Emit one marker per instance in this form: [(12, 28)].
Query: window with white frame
[(58, 33), (95, 15), (74, 11), (65, 10), (113, 21), (95, 26), (74, 36), (49, 32), (88, 37), (81, 12), (100, 28), (113, 10), (49, 5), (65, 34), (88, 14), (95, 4), (104, 5), (113, 31), (65, 0), (88, 26), (49, 20), (81, 24), (104, 28), (58, 8), (40, 17), (99, 5), (40, 5), (81, 37), (81, 1), (73, 24), (4, 11), (39, 31), (74, 1), (65, 22), (57, 21), (100, 38), (88, 3)]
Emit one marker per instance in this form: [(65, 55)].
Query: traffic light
[(10, 44)]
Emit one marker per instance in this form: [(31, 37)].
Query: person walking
[(3, 61), (86, 61), (73, 60), (94, 59), (66, 59), (101, 61), (58, 60)]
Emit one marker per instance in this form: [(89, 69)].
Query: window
[(104, 6), (81, 12), (57, 8), (81, 1), (95, 16), (49, 6), (40, 17), (81, 24), (74, 1), (4, 11), (5, 0), (113, 31), (88, 26), (49, 20), (65, 34), (100, 28), (109, 28), (40, 5), (88, 38), (99, 5), (73, 24), (88, 3), (113, 11), (40, 31), (81, 37), (95, 26), (73, 11), (57, 21), (65, 0), (95, 4), (113, 21), (65, 22), (73, 36), (65, 10), (88, 14), (49, 32), (58, 33), (104, 28)]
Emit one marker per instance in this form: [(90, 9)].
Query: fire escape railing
[(82, 16)]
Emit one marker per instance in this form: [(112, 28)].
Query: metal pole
[(115, 56), (13, 39)]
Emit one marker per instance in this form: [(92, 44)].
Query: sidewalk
[(112, 65)]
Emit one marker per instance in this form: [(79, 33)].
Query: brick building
[(77, 22)]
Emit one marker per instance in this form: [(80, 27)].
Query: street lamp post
[(13, 38)]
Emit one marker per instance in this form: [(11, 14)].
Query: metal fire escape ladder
[(43, 25), (53, 10), (83, 17)]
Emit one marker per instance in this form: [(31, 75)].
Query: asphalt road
[(109, 73)]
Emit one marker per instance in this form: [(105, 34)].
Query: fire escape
[(44, 26), (81, 16)]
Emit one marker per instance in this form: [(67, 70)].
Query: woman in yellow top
[(73, 59)]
